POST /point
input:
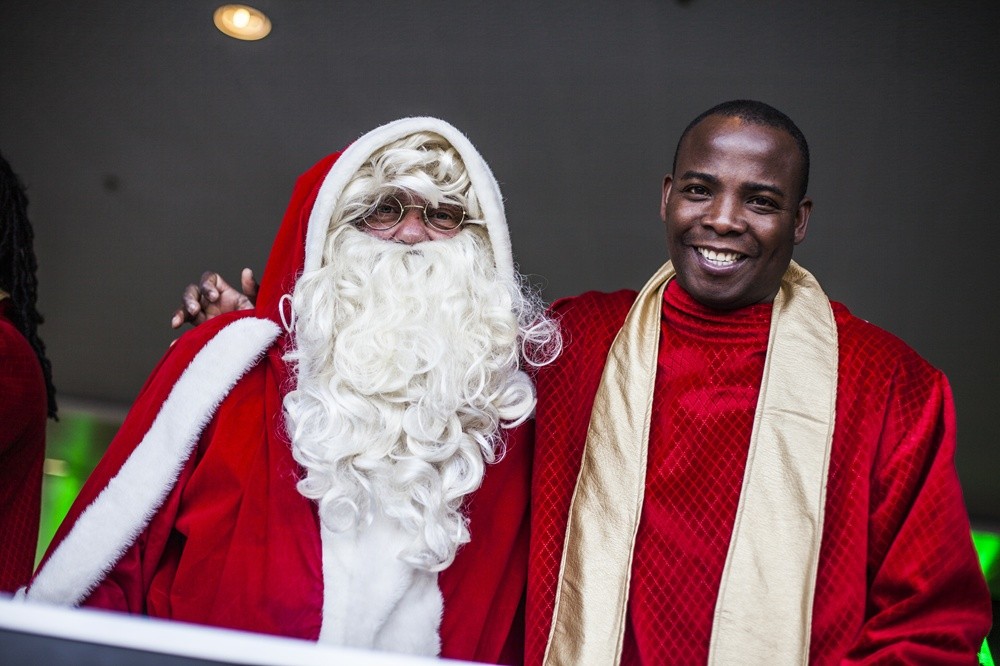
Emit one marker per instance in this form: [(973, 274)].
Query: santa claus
[(314, 466)]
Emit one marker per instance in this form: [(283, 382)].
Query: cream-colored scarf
[(763, 613)]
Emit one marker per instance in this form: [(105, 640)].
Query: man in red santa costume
[(731, 469), (313, 467)]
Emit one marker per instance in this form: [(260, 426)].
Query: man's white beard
[(407, 361)]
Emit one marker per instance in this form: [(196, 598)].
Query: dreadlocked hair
[(17, 269)]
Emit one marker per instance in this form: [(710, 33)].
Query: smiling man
[(746, 473)]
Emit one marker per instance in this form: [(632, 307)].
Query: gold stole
[(763, 612)]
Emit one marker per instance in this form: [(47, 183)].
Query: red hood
[(284, 265)]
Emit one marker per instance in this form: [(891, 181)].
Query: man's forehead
[(719, 143)]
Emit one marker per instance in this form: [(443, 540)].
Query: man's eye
[(762, 202), (697, 190), (386, 209), (447, 213), (443, 215)]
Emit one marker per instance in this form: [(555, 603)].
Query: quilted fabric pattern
[(708, 381), (898, 579)]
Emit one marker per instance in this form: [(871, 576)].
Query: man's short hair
[(755, 113)]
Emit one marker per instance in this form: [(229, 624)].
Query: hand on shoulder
[(213, 296)]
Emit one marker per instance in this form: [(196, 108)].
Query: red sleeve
[(484, 588), (124, 586), (23, 410), (927, 600)]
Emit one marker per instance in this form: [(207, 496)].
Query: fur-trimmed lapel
[(113, 521)]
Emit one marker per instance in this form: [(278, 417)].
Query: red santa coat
[(898, 578), (23, 410), (193, 513)]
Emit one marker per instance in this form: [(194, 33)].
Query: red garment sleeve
[(123, 588), (126, 586), (927, 600), (23, 409)]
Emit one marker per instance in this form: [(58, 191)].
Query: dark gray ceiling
[(154, 147)]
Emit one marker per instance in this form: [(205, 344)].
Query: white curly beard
[(407, 362)]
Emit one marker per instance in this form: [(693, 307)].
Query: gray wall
[(154, 148)]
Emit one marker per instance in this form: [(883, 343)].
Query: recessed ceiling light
[(242, 22)]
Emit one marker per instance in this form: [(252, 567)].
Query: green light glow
[(985, 658), (78, 441), (988, 546)]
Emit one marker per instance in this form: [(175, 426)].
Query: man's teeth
[(720, 258)]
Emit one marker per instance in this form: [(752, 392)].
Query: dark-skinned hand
[(213, 296)]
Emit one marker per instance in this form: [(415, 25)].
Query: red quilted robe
[(898, 581)]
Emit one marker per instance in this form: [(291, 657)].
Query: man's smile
[(720, 258)]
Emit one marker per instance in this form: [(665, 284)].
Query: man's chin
[(713, 293)]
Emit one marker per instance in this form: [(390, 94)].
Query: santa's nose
[(411, 229)]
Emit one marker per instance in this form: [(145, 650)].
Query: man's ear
[(802, 219), (668, 182)]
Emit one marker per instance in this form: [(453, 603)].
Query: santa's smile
[(720, 258)]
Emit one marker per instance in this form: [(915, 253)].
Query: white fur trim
[(483, 182), (374, 600), (114, 520)]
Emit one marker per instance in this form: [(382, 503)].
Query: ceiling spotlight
[(242, 22)]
